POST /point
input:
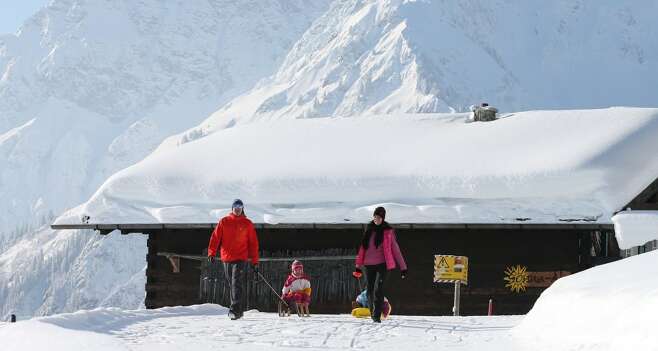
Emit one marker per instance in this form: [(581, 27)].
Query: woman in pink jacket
[(379, 253)]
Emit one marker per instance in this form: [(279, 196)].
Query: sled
[(364, 312), (301, 310)]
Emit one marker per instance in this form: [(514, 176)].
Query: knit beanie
[(237, 203), (381, 212)]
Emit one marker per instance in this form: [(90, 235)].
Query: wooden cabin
[(177, 265), (524, 211)]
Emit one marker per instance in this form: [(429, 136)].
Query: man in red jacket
[(236, 236)]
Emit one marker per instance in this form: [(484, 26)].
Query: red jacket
[(237, 238)]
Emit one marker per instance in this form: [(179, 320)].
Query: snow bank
[(608, 307), (36, 335), (635, 228), (88, 330), (539, 166)]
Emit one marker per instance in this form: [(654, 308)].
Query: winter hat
[(381, 212), (296, 264), (237, 203)]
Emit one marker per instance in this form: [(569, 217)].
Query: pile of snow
[(608, 307), (543, 166), (635, 228), (88, 330)]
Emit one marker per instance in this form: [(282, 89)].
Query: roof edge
[(137, 227)]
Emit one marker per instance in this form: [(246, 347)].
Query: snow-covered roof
[(530, 167), (635, 228)]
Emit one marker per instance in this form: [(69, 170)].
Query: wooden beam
[(73, 226), (173, 255)]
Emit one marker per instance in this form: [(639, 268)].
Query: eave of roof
[(126, 228)]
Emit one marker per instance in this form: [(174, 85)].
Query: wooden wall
[(490, 252)]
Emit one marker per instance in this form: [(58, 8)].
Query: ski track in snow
[(326, 332)]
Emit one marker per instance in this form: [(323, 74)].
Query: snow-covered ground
[(206, 327)]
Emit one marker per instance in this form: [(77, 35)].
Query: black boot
[(234, 315)]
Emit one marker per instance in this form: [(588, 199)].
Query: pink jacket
[(392, 252)]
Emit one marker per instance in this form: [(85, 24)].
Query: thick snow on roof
[(536, 167), (635, 228)]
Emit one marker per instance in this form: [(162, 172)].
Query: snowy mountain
[(89, 87), (375, 57), (47, 272)]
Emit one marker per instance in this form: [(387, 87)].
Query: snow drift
[(608, 307)]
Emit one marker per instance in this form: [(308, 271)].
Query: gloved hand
[(211, 259), (403, 274), (358, 273)]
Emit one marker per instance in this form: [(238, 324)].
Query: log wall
[(490, 252)]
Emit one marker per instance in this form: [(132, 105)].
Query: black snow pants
[(376, 276)]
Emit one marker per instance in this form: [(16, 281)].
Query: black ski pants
[(235, 278), (375, 277)]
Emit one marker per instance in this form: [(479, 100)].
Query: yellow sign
[(449, 269), (517, 278)]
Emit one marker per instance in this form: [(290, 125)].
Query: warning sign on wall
[(450, 268)]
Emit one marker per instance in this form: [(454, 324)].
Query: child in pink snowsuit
[(297, 288)]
